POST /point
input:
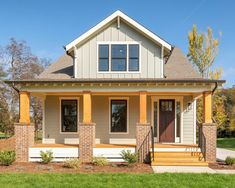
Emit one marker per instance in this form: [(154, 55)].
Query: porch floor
[(77, 146), (115, 145)]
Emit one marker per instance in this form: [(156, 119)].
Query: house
[(118, 86)]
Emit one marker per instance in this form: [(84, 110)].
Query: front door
[(167, 121)]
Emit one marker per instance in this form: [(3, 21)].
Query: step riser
[(178, 164)]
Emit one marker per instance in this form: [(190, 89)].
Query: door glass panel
[(155, 118)]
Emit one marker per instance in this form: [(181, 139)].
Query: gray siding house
[(116, 86)]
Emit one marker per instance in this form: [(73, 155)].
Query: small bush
[(47, 156), (7, 157), (72, 163), (100, 161), (129, 157), (229, 160)]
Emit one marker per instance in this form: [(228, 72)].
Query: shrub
[(129, 157), (100, 161), (72, 163), (47, 156), (229, 160), (7, 157)]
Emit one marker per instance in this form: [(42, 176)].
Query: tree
[(203, 49), (4, 110), (20, 63)]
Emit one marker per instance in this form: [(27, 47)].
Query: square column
[(24, 107), (86, 131), (207, 106), (142, 128)]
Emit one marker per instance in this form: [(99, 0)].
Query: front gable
[(86, 54)]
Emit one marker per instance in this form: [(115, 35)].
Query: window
[(118, 61), (118, 116), (133, 57), (178, 115), (166, 106), (124, 58), (103, 57), (155, 118), (68, 115)]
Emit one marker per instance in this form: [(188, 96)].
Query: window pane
[(69, 115), (118, 116), (155, 119), (178, 115), (118, 51), (118, 65), (133, 64), (103, 51), (134, 51), (103, 65)]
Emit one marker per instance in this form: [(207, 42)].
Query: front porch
[(94, 122)]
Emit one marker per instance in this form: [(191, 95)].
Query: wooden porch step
[(179, 163), (177, 154), (184, 159)]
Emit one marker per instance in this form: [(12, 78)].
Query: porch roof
[(119, 80)]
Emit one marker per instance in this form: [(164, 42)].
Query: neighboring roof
[(109, 19), (178, 66), (60, 69), (120, 80)]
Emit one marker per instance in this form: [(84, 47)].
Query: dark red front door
[(167, 121)]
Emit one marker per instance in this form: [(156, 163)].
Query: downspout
[(216, 86)]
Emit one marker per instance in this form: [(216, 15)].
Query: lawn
[(226, 143), (117, 180)]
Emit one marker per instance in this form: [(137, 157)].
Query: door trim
[(177, 99)]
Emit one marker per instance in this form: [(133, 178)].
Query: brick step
[(179, 163)]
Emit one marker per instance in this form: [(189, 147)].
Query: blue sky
[(48, 25)]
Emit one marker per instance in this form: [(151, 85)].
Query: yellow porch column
[(207, 105), (24, 107), (143, 108), (87, 107)]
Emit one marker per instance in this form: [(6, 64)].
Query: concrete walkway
[(221, 154), (189, 169)]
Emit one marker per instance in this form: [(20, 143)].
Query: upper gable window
[(118, 57)]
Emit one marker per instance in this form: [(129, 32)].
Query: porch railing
[(201, 139), (144, 154)]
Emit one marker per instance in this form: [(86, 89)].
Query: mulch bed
[(7, 144), (37, 167), (221, 166)]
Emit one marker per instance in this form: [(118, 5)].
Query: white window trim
[(176, 98), (127, 124), (69, 98), (127, 62)]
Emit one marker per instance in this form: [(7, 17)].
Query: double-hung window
[(118, 58)]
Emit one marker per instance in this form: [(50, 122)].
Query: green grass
[(117, 180), (226, 143)]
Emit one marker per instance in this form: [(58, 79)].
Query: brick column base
[(24, 135), (86, 141), (141, 132), (210, 132)]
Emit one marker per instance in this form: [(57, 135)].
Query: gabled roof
[(178, 66), (127, 19)]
